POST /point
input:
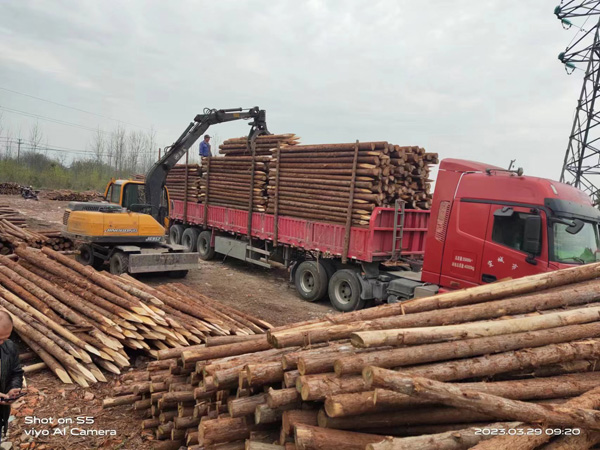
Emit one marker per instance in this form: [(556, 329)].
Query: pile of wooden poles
[(423, 374), (9, 188), (179, 188), (68, 195), (263, 145), (12, 215), (11, 236), (324, 181), (77, 319), (226, 181)]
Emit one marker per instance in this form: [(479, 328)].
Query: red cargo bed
[(374, 243)]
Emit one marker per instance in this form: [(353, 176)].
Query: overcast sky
[(475, 79)]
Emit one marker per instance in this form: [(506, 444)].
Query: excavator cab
[(131, 195)]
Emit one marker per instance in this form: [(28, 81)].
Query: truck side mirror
[(532, 239)]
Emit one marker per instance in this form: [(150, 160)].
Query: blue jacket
[(204, 149)]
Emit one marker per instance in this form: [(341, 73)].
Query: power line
[(73, 108), (50, 119)]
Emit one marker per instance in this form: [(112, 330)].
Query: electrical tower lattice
[(581, 166)]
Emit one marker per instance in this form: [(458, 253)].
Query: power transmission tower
[(581, 166)]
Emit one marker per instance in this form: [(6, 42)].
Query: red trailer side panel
[(374, 243)]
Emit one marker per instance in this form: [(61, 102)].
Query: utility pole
[(18, 149)]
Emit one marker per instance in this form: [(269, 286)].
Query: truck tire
[(177, 273), (310, 280), (119, 263), (205, 251), (175, 234), (344, 291), (189, 239)]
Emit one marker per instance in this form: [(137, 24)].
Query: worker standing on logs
[(11, 372), (205, 147)]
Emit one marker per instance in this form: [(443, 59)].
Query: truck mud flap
[(162, 262)]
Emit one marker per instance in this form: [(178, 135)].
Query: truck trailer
[(486, 223)]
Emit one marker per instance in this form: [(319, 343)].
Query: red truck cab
[(489, 224)]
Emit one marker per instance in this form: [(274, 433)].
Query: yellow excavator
[(127, 230)]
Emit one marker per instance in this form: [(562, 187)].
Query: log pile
[(68, 195), (323, 181), (226, 182), (264, 144), (12, 215), (424, 374), (177, 185), (11, 236), (8, 188), (78, 320)]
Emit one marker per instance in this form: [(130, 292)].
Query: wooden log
[(241, 407), (53, 364), (201, 353), (495, 406), (119, 401), (265, 415), (223, 430), (255, 445), (214, 341), (403, 314), (450, 440), (464, 348), (589, 400), (318, 387), (293, 417), (266, 373), (416, 336), (280, 397), (315, 438)]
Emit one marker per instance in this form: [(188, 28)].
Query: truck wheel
[(175, 234), (205, 251), (311, 281), (86, 255), (119, 263), (189, 239), (344, 291), (177, 273)]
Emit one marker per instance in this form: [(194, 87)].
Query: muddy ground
[(265, 293)]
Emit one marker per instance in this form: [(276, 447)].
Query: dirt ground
[(267, 294)]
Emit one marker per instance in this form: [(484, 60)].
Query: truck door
[(503, 254), (463, 245)]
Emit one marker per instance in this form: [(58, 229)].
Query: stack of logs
[(8, 188), (67, 195), (428, 374), (226, 181), (315, 181), (12, 215), (77, 320), (179, 188), (12, 236), (263, 144)]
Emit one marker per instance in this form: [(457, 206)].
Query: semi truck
[(486, 224)]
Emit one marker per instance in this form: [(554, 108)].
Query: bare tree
[(136, 144), (151, 150), (36, 136), (98, 145), (118, 147)]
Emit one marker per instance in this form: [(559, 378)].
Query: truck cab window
[(509, 230)]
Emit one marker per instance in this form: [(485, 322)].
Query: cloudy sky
[(476, 79)]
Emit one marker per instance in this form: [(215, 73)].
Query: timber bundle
[(263, 144), (78, 320), (12, 215), (9, 188), (423, 374), (325, 181), (11, 236), (179, 188), (227, 179), (68, 195)]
